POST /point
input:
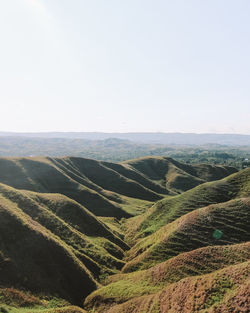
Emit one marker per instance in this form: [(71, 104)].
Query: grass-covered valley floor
[(145, 235)]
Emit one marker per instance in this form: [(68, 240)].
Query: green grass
[(92, 241), (123, 287), (36, 258), (167, 210), (39, 309), (19, 301), (177, 176), (100, 186), (135, 206), (53, 243), (49, 176), (191, 231), (220, 291)]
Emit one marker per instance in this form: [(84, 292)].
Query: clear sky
[(125, 65)]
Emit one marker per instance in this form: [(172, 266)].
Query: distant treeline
[(117, 150)]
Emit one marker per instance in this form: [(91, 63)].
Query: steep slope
[(222, 291), (105, 188), (132, 173), (98, 248), (219, 224), (39, 174), (169, 209), (89, 182), (123, 287), (52, 246), (102, 174), (17, 301), (175, 175), (35, 259)]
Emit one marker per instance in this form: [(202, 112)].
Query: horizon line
[(119, 132)]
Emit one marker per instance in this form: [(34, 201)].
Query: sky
[(125, 66)]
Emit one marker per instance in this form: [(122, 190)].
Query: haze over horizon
[(134, 66)]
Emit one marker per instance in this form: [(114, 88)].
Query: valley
[(151, 234)]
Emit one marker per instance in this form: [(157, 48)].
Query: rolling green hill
[(75, 225), (226, 290), (123, 287), (103, 188), (221, 224), (176, 175), (144, 235), (167, 210), (35, 259), (43, 175)]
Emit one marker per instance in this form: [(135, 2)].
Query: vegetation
[(123, 287), (17, 301), (191, 231), (146, 235), (226, 290), (225, 150), (171, 208)]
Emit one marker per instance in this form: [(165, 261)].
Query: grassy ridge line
[(191, 231), (35, 259), (92, 198), (133, 174), (88, 238), (167, 210), (95, 175), (40, 175), (226, 290), (109, 179), (164, 170), (77, 216), (179, 180), (206, 172), (123, 287), (99, 186)]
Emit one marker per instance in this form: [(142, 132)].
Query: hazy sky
[(125, 65)]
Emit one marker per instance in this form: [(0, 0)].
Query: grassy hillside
[(140, 236), (123, 287), (35, 259), (98, 248), (219, 224), (226, 290), (42, 175), (16, 301), (175, 175), (167, 210), (189, 247), (105, 189)]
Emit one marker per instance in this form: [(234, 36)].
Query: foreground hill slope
[(35, 259), (219, 224), (73, 223), (51, 244), (18, 301), (123, 287), (223, 291)]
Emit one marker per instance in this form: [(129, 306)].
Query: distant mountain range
[(146, 138), (117, 150)]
